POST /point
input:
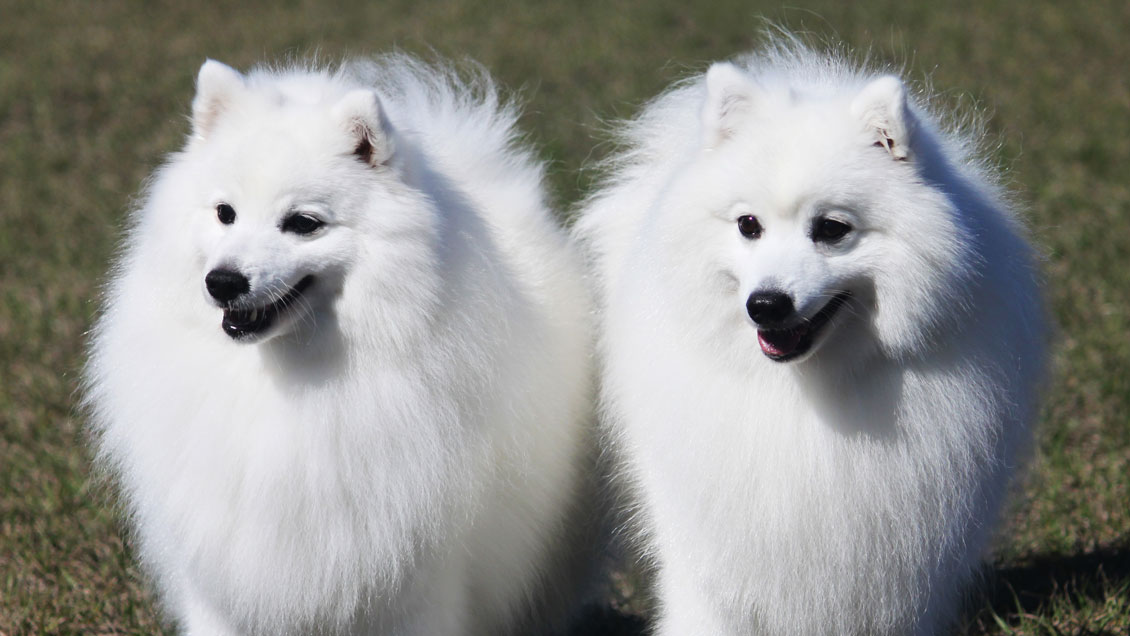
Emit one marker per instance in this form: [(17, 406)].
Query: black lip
[(808, 329), (242, 323)]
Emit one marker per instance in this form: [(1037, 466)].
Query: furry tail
[(465, 123)]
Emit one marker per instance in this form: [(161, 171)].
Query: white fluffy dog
[(342, 372), (822, 339)]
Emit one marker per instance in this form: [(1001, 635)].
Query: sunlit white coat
[(405, 451), (851, 490)]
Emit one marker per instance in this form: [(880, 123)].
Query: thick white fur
[(851, 491), (406, 454)]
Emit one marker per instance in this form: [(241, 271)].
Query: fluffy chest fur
[(267, 482), (802, 506)]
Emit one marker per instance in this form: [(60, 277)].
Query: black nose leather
[(226, 284), (768, 307)]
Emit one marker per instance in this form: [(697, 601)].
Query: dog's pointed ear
[(361, 115), (217, 85), (730, 95), (882, 108)]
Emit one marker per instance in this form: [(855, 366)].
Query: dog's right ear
[(729, 97), (361, 115), (217, 85), (883, 110)]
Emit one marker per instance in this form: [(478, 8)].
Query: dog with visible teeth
[(822, 337), (342, 372)]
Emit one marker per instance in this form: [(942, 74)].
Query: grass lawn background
[(93, 94)]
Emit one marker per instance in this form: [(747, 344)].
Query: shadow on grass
[(1036, 580), (606, 621), (1034, 585), (1025, 589)]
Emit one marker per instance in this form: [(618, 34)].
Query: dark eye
[(829, 230), (300, 223), (749, 226), (225, 213)]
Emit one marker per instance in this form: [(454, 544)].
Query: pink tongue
[(780, 343)]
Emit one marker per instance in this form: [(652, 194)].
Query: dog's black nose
[(768, 307), (226, 284)]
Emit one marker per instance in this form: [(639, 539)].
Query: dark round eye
[(829, 230), (749, 226), (225, 213), (300, 223)]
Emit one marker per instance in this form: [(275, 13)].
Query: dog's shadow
[(1005, 592), (607, 621), (1030, 587)]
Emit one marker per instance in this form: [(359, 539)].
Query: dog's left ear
[(882, 108), (730, 95), (361, 115), (217, 86)]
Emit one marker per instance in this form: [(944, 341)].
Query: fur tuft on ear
[(361, 115), (881, 106), (729, 96), (217, 84)]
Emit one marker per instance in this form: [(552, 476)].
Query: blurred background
[(94, 94)]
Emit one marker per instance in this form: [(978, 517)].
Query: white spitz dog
[(342, 372), (822, 337)]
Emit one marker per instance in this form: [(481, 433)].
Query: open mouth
[(782, 345), (240, 323)]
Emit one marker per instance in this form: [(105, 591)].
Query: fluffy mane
[(837, 467), (387, 429), (668, 128)]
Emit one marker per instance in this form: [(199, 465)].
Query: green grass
[(93, 94)]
